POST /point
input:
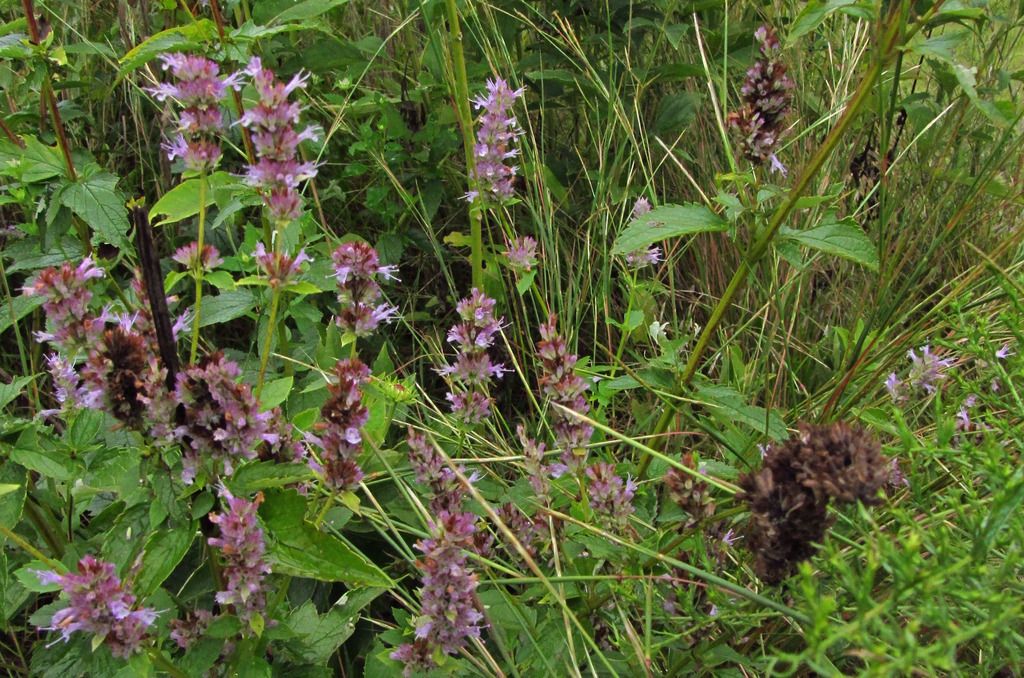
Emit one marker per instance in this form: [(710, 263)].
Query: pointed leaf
[(667, 221)]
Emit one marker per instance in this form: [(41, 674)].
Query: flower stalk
[(197, 272)]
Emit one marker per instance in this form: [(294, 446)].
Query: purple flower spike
[(242, 546), (448, 615), (559, 382), (766, 95), (472, 369), (641, 207), (522, 254), (190, 628), (189, 257), (357, 267), (67, 305), (199, 89), (224, 422), (341, 418), (643, 258), (432, 471), (610, 497), (99, 605), (280, 268), (927, 369), (271, 124), (498, 129)]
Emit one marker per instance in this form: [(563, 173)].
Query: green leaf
[(812, 16), (226, 306), (26, 575), (50, 463), (36, 162), (299, 549), (1004, 506), (19, 306), (12, 502), (171, 40), (84, 429), (667, 221), (732, 406), (163, 551), (843, 238), (182, 201), (260, 475), (283, 11), (98, 202), (318, 636), (276, 392), (9, 392)]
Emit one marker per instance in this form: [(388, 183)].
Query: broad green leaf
[(19, 306), (11, 501), (284, 11), (812, 16), (226, 306), (51, 463), (843, 238), (171, 40), (15, 46), (260, 475), (28, 576), (318, 636), (667, 221), (732, 406), (163, 551), (35, 162), (182, 201), (84, 429), (98, 202), (276, 392), (299, 549), (9, 392)]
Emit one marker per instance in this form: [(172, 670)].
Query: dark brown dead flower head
[(789, 496)]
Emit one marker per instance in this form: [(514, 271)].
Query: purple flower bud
[(472, 368), (766, 95), (338, 431), (927, 368), (610, 497), (67, 305), (522, 254), (242, 546), (643, 258), (356, 267), (279, 267), (498, 129), (431, 470), (189, 257), (190, 628), (559, 382), (99, 605), (641, 207)]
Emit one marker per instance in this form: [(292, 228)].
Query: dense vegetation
[(511, 338)]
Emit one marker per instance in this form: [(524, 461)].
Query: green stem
[(31, 550), (763, 242), (462, 109), (197, 272), (275, 300)]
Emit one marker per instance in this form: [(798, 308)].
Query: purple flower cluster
[(522, 254), (473, 369), (643, 257), (222, 418), (190, 628), (431, 470), (356, 267), (559, 382), (766, 95), (242, 547), (190, 257), (279, 267), (341, 418), (610, 497), (199, 90), (498, 129), (533, 460), (271, 123), (99, 605), (448, 615), (67, 305), (926, 370)]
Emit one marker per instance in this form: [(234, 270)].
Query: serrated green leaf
[(276, 392), (19, 306), (812, 16), (182, 201), (226, 306), (176, 39), (36, 162), (843, 238), (667, 221), (9, 392), (100, 205), (299, 549), (284, 11), (732, 406), (260, 475), (163, 551)]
